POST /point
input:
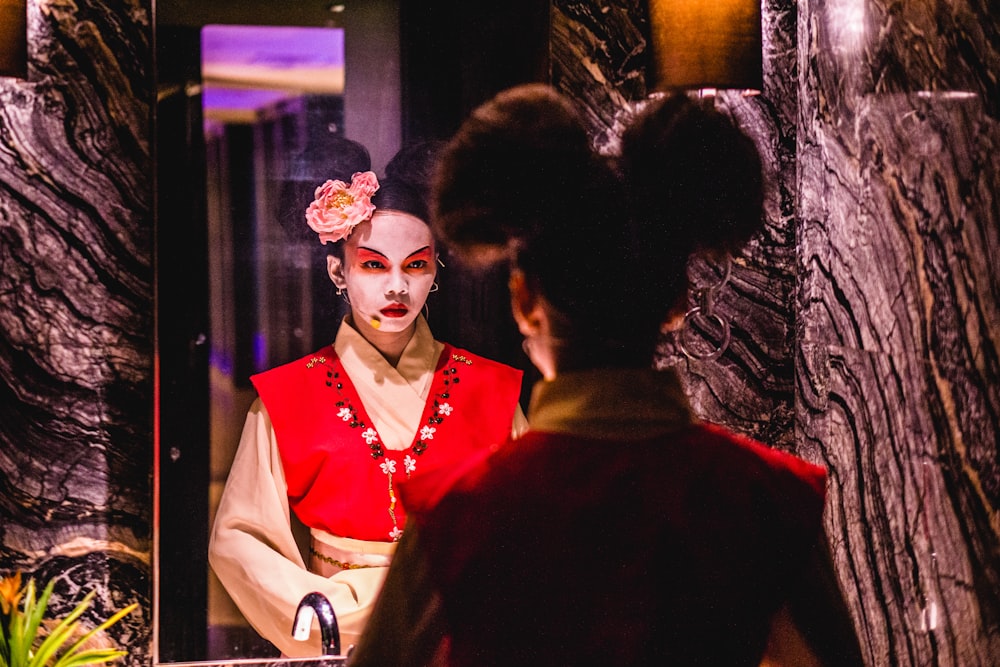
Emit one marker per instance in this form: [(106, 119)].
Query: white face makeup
[(388, 270)]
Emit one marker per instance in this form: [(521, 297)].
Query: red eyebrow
[(368, 253), (423, 253)]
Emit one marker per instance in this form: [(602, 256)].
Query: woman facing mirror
[(331, 435), (619, 529)]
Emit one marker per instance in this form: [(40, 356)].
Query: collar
[(416, 363), (618, 403)]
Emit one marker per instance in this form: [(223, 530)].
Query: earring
[(696, 320), (434, 288), (342, 292)]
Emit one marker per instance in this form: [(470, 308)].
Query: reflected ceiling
[(246, 69)]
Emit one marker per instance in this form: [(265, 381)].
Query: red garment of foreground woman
[(620, 530), (333, 434)]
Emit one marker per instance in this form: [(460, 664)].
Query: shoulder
[(293, 369), (509, 469), (423, 493), (490, 471), (479, 363), (765, 460), (771, 489)]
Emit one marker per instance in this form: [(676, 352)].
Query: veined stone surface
[(76, 312)]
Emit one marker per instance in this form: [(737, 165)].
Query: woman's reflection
[(331, 435)]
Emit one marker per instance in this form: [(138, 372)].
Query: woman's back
[(675, 547)]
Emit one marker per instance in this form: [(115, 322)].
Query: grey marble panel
[(898, 512), (76, 311), (899, 316), (598, 57)]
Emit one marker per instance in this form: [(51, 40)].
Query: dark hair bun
[(607, 248), (407, 181), (501, 175), (415, 162), (694, 180), (326, 157)]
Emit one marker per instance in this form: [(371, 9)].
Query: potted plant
[(28, 639)]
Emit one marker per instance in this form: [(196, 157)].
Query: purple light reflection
[(274, 46), (247, 68)]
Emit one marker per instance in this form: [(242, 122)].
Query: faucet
[(317, 604)]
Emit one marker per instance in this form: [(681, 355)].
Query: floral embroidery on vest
[(348, 413)]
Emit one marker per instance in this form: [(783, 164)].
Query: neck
[(555, 355), (390, 344), (595, 357)]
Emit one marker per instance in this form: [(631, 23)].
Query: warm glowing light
[(14, 38), (699, 44), (946, 94)]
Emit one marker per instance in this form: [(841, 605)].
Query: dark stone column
[(898, 318), (76, 312)]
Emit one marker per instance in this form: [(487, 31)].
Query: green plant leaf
[(56, 639), (4, 642), (74, 649), (60, 634), (34, 612), (90, 657), (24, 642)]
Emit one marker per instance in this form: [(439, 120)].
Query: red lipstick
[(395, 310)]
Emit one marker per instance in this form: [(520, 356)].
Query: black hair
[(692, 176), (607, 243), (406, 184), (329, 157)]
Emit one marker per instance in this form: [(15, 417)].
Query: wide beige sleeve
[(253, 551)]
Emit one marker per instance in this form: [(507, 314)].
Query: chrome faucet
[(316, 604)]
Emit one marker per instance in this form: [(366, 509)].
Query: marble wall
[(866, 318), (898, 315), (76, 310)]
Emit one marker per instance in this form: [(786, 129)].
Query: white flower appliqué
[(388, 466), (409, 464), (445, 409), (395, 534), (345, 414), (370, 436), (427, 433)]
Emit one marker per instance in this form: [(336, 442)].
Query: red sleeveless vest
[(340, 478)]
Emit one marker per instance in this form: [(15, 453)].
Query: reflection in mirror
[(234, 292)]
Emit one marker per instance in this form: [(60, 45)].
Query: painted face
[(388, 270)]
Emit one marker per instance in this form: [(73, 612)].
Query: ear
[(525, 304), (675, 316), (335, 269)]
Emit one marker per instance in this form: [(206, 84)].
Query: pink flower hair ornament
[(339, 207)]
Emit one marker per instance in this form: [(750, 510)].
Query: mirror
[(234, 294)]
